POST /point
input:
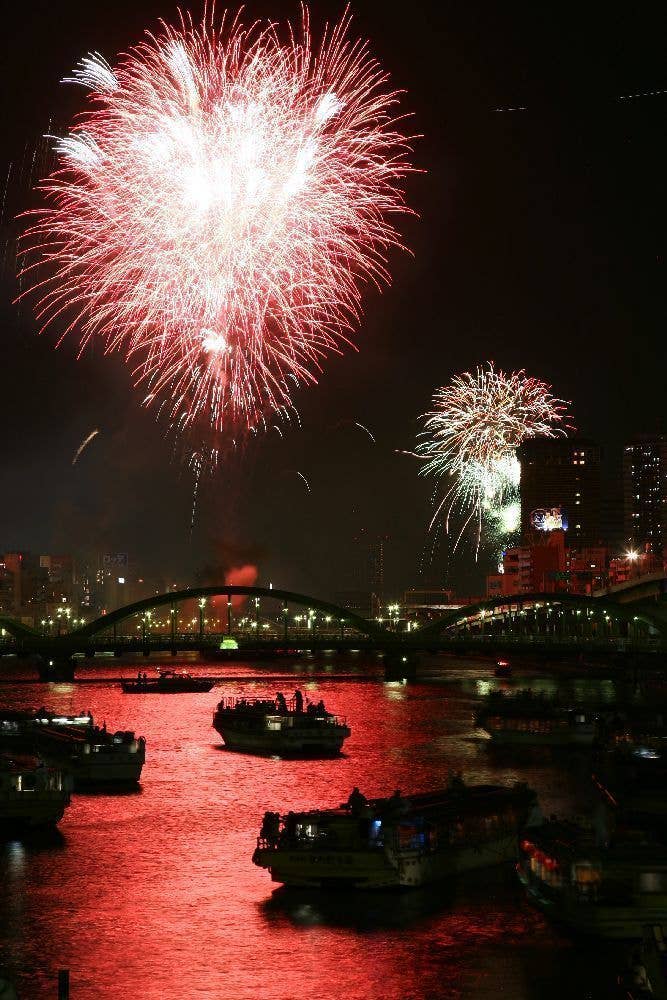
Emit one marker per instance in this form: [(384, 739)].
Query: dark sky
[(540, 244)]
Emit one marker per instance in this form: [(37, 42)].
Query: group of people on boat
[(271, 828), (297, 702), (395, 805)]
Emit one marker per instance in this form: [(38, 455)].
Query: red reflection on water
[(154, 895)]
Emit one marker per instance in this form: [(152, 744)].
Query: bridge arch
[(17, 629), (627, 613), (104, 622)]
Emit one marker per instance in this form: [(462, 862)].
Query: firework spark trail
[(471, 437), (216, 209), (301, 476), (366, 430), (84, 444), (195, 496)]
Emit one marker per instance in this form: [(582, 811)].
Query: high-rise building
[(645, 493), (561, 474), (366, 569)]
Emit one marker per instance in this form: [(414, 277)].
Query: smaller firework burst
[(471, 436)]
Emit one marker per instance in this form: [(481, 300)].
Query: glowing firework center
[(216, 209)]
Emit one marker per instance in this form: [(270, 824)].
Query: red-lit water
[(152, 895)]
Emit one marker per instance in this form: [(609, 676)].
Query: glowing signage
[(548, 519)]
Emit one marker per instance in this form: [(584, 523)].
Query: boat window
[(585, 874), (375, 832), (273, 723), (651, 882)]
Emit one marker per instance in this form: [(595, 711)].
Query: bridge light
[(631, 555)]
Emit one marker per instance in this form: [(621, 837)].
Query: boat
[(167, 682), (644, 975), (594, 889), (503, 668), (630, 769), (395, 842), (32, 794), (279, 727), (93, 755), (15, 735), (528, 719)]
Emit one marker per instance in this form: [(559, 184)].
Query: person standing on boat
[(281, 703), (298, 701), (270, 827), (356, 801)]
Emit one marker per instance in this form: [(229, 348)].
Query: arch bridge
[(552, 619), (163, 614)]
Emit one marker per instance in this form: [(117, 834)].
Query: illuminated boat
[(92, 755), (503, 668), (167, 682), (15, 731), (609, 892), (271, 727), (527, 719), (31, 793), (396, 842), (630, 769)]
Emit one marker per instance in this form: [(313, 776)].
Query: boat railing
[(264, 706)]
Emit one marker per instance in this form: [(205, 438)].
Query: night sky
[(540, 245)]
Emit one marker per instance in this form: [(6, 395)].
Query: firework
[(216, 210), (471, 437), (84, 444)]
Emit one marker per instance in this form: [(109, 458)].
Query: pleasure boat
[(167, 682), (570, 873), (528, 719), (93, 755), (630, 769), (279, 727), (32, 794), (503, 668), (395, 842)]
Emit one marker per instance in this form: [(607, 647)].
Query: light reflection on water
[(153, 894)]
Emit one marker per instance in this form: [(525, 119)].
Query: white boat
[(92, 755), (608, 892), (395, 842), (273, 727), (32, 794)]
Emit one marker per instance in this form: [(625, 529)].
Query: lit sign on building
[(115, 559), (548, 519)]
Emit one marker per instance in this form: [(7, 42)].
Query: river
[(152, 894)]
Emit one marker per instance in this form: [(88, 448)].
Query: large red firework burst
[(216, 210)]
